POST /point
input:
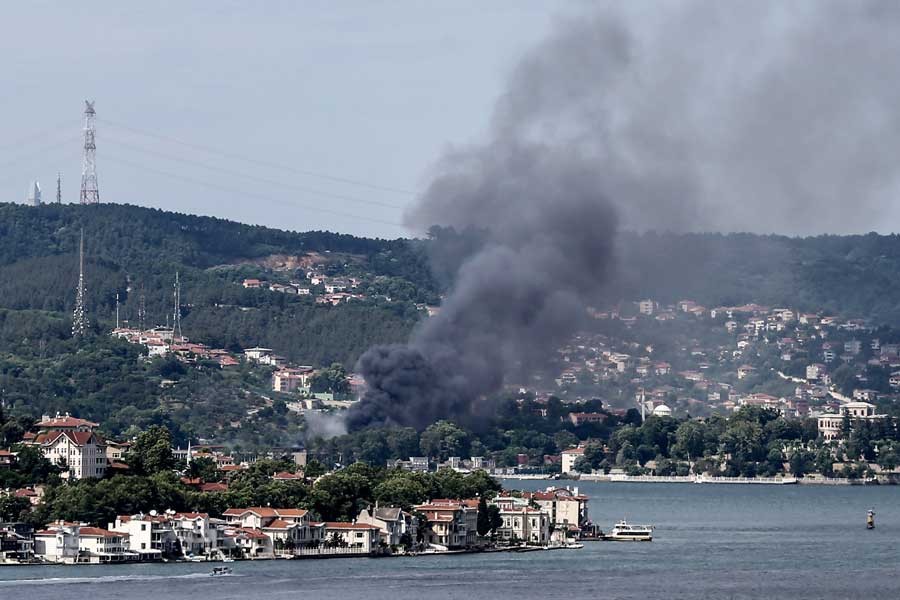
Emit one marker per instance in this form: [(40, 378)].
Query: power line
[(251, 194), (40, 151), (249, 159), (318, 192), (64, 126)]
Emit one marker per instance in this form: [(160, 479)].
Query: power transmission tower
[(79, 318), (176, 321), (90, 194), (59, 188)]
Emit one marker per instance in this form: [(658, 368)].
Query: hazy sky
[(365, 90)]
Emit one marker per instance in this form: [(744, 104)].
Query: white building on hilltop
[(33, 197)]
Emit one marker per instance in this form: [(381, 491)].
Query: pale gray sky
[(365, 90)]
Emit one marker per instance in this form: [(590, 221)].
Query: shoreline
[(218, 561), (825, 481)]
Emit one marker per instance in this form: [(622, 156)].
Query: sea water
[(710, 541)]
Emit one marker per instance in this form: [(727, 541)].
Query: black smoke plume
[(684, 116), (548, 248)]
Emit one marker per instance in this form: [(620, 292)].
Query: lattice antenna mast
[(142, 310), (79, 318), (90, 194), (176, 320), (59, 188)]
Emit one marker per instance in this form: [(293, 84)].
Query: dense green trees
[(853, 275), (752, 441), (132, 251), (444, 439), (151, 452), (332, 379), (14, 509), (336, 496)]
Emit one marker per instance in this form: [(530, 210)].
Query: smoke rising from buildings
[(688, 116)]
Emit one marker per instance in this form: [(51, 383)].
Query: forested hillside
[(131, 251), (856, 275)]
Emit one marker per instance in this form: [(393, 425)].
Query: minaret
[(34, 194), (79, 318), (117, 310)]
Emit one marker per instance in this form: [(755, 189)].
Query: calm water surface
[(711, 541)]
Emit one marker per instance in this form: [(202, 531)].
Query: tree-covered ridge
[(123, 233), (133, 252), (852, 275)]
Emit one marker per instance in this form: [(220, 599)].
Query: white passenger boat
[(626, 532)]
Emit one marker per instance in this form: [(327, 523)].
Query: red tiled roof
[(343, 525), (290, 512), (66, 421), (266, 511), (574, 451), (252, 533), (279, 524), (79, 438), (97, 532), (191, 515), (151, 518), (213, 487)]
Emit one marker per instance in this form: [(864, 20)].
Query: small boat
[(221, 571), (227, 559), (870, 519), (625, 532)]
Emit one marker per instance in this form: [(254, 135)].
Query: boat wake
[(101, 579)]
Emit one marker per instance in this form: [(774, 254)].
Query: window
[(143, 527)]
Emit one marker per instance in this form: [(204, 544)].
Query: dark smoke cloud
[(689, 116), (548, 248)]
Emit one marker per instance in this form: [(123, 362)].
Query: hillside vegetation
[(855, 276), (132, 250)]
